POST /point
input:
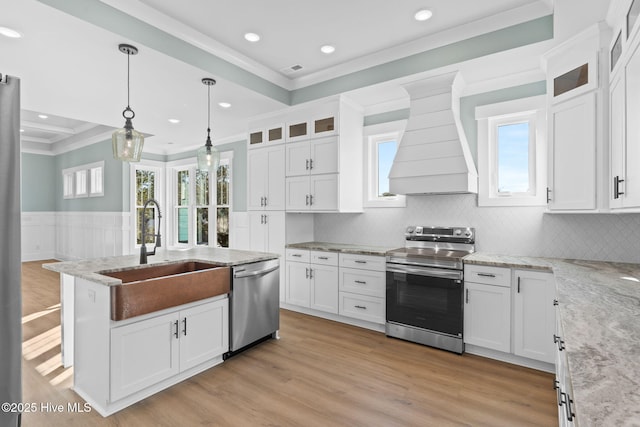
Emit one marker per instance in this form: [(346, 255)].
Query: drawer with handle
[(498, 276), (364, 282), (362, 307), (364, 262), (324, 258), (298, 255)]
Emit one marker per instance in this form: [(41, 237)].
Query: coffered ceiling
[(70, 66)]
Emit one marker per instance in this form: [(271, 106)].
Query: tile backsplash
[(525, 231)]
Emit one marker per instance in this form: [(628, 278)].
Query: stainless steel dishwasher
[(254, 304)]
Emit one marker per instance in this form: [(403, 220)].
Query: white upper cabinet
[(324, 160), (624, 100), (576, 93), (572, 161), (266, 178)]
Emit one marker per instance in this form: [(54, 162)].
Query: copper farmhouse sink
[(156, 287)]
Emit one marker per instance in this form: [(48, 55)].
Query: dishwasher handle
[(239, 274)]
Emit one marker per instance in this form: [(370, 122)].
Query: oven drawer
[(363, 262), (363, 282), (362, 307), (324, 258), (497, 276), (298, 255)]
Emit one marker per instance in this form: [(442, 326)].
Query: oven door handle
[(425, 271)]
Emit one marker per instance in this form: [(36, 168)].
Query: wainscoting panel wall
[(38, 235), (74, 235), (82, 235)]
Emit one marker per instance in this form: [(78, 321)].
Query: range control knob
[(467, 233), (457, 232)]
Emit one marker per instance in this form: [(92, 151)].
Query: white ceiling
[(72, 69)]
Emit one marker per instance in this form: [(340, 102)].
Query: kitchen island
[(599, 316), (128, 349)]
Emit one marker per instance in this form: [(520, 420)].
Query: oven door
[(426, 298)]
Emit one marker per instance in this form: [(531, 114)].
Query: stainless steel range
[(425, 286)]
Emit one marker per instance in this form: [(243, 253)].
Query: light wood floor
[(320, 373)]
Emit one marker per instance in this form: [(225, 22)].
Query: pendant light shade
[(127, 142), (208, 156)]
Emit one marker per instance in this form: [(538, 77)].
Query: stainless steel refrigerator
[(10, 253)]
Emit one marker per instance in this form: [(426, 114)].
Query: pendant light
[(127, 142), (208, 157)]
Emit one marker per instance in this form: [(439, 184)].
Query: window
[(196, 219), (146, 188), (512, 153), (83, 181), (381, 145)]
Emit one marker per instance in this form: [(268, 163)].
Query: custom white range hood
[(433, 155)]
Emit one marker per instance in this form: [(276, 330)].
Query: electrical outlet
[(92, 295)]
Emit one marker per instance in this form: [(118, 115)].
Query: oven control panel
[(444, 234)]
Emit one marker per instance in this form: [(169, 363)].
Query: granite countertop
[(90, 268), (341, 247), (599, 308)]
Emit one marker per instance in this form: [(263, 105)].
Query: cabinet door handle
[(306, 272), (558, 340), (265, 201), (555, 302), (307, 166), (486, 275), (323, 257), (467, 296), (360, 282), (306, 200), (359, 261), (311, 273), (184, 330), (548, 195), (310, 199), (518, 284), (265, 218), (556, 387), (297, 255), (567, 408), (616, 187), (361, 307), (176, 334), (310, 164)]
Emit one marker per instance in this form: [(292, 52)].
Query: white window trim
[(488, 117), (76, 181), (159, 169), (372, 136), (191, 165)]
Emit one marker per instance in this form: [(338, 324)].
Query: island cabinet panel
[(143, 354), (146, 352)]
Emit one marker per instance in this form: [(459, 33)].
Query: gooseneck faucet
[(158, 238)]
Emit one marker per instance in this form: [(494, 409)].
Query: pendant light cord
[(208, 110), (128, 102)]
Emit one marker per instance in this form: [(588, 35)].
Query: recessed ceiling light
[(21, 130), (423, 15), (252, 37), (224, 104), (327, 49), (174, 121), (8, 32), (43, 116)]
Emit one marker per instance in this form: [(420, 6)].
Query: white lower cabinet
[(562, 383), (362, 289), (534, 315), (312, 280), (487, 316), (146, 352), (510, 311), (327, 282)]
